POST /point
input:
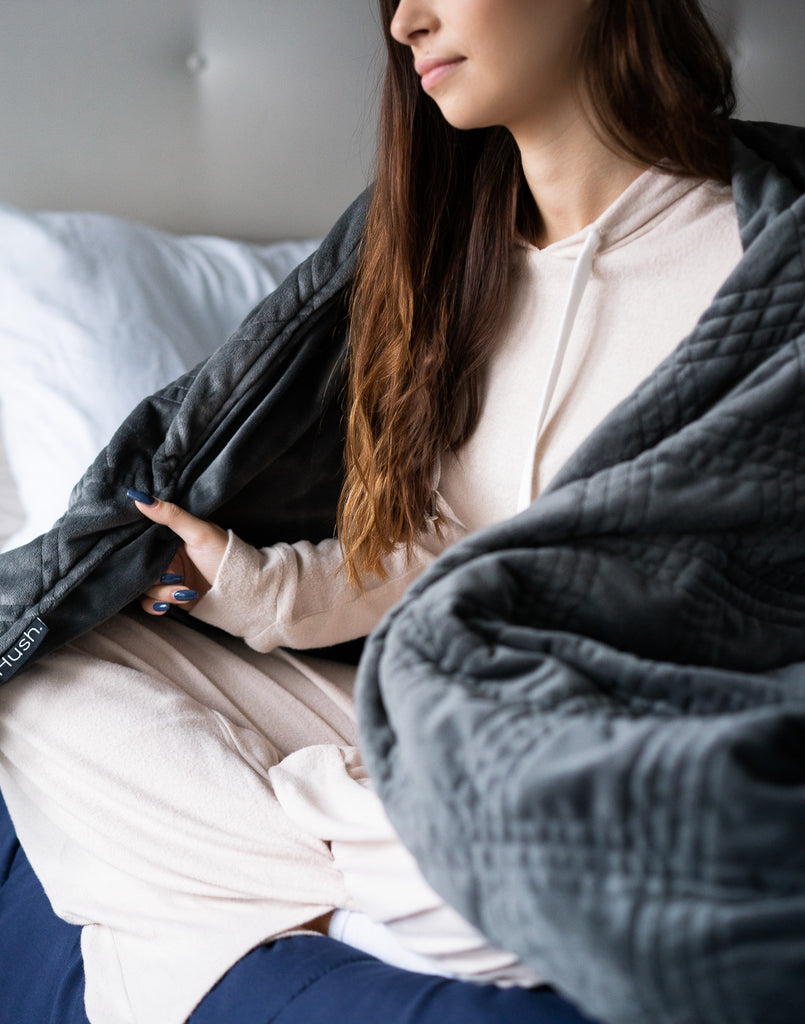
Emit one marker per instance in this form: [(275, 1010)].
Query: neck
[(573, 176)]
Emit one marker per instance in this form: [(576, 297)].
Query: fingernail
[(185, 595), (161, 606), (141, 496), (172, 577)]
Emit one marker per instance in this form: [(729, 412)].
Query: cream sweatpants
[(185, 798)]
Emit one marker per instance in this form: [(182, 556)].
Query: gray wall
[(766, 39)]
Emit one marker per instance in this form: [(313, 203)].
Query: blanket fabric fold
[(587, 722)]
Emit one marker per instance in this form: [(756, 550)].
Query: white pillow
[(97, 312), (11, 514)]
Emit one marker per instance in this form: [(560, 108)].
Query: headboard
[(251, 118)]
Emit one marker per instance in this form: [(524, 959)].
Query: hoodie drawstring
[(578, 284)]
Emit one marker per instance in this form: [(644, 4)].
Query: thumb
[(192, 530)]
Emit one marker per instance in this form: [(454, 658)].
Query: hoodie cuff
[(233, 602)]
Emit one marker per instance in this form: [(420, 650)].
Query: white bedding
[(12, 516), (95, 313)]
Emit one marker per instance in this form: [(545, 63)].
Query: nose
[(412, 21)]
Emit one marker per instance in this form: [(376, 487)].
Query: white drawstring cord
[(578, 283)]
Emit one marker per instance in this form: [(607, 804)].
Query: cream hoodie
[(591, 316)]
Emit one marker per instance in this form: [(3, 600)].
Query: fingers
[(170, 589), (191, 529), (173, 594), (158, 599), (194, 566)]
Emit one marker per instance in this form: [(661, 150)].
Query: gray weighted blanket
[(588, 723)]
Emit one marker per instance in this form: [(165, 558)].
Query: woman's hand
[(192, 571)]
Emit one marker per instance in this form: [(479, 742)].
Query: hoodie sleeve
[(293, 595)]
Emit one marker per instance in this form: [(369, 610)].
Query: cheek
[(542, 31), (541, 48)]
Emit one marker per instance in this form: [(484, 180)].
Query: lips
[(435, 68)]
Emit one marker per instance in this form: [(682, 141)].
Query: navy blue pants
[(300, 980)]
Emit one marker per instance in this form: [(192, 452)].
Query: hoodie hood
[(642, 207)]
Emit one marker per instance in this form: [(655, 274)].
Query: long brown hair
[(433, 279)]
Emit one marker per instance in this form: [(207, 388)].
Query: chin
[(464, 119)]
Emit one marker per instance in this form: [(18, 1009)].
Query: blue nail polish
[(140, 496), (172, 577), (161, 606), (185, 595)]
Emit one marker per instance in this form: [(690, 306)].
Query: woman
[(552, 214)]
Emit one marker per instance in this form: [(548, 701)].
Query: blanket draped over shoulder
[(251, 439), (588, 723)]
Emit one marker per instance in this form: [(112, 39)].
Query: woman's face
[(513, 60)]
